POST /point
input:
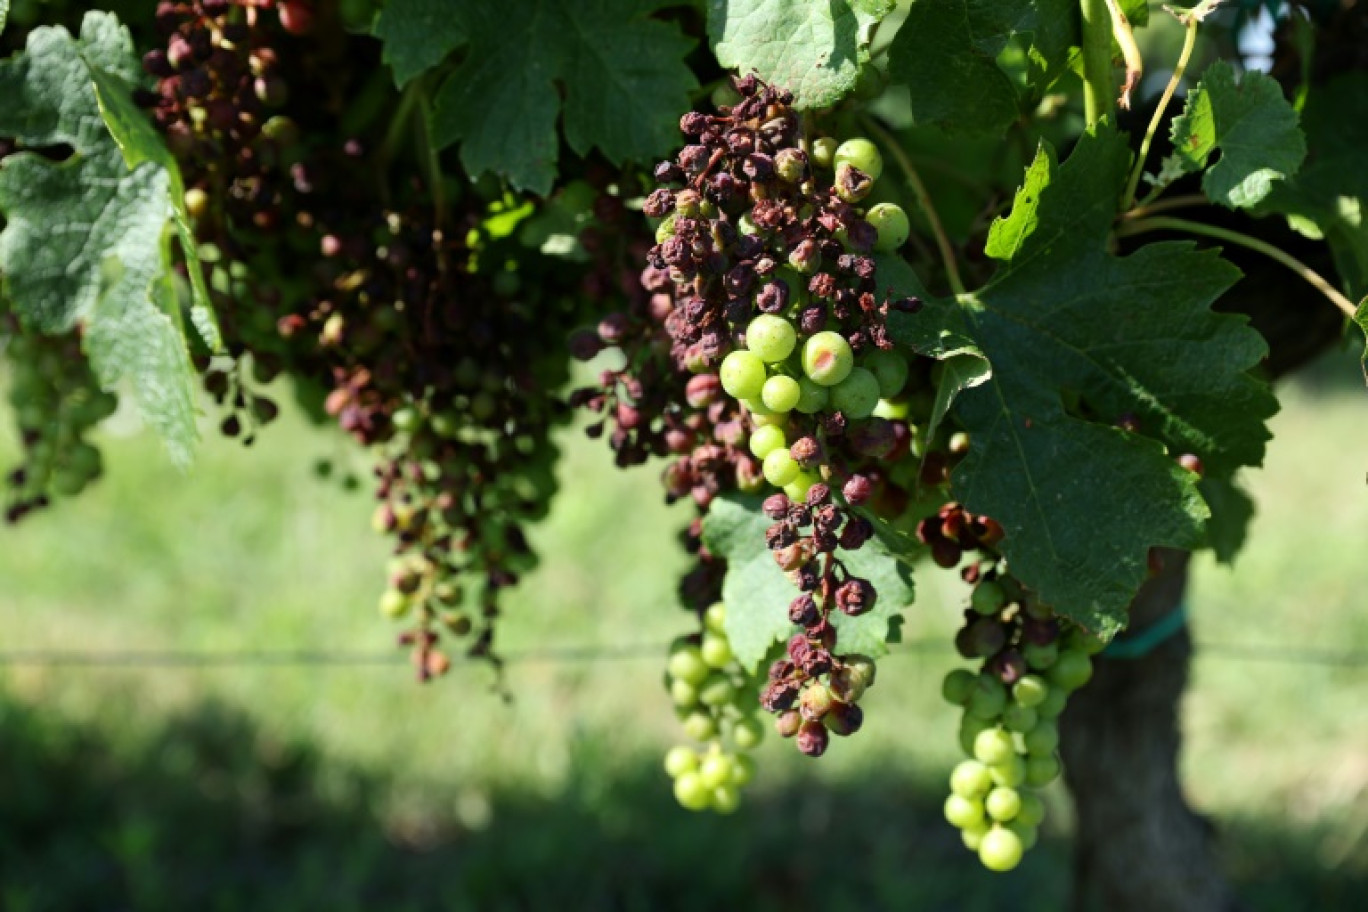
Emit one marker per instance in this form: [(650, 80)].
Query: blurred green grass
[(235, 788)]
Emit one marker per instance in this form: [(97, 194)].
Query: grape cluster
[(1031, 661), (708, 686), (57, 401)]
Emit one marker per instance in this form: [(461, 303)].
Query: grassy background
[(352, 787)]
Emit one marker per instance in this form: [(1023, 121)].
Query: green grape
[(1032, 810), (691, 793), (812, 396), (1040, 657), (699, 726), (686, 663), (1030, 691), (742, 374), (1002, 804), (683, 694), (717, 690), (988, 598), (970, 779), (771, 338), (715, 649), (715, 770), (406, 420), (827, 358), (743, 770), (890, 221), (1009, 774), (1071, 671), (994, 746), (958, 686), (666, 229), (824, 151), (680, 760), (1080, 639), (1041, 771), (762, 415), (963, 812), (860, 153), (781, 393), (1043, 739), (715, 618), (989, 697), (394, 604), (797, 489), (726, 799), (780, 468), (1000, 849), (973, 836), (1018, 718), (748, 733), (890, 369), (1029, 835), (892, 409), (856, 395), (445, 424), (970, 727)]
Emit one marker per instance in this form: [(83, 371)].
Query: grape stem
[(1315, 279), (1098, 88), (1189, 41), (1125, 38), (947, 252), (1165, 205)]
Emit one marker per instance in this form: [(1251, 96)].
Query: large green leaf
[(815, 50), (946, 54), (1065, 321), (1251, 123), (85, 241), (418, 34), (757, 592), (620, 73)]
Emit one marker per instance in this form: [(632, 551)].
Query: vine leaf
[(502, 102), (1065, 321), (1251, 123), (815, 50), (1231, 510), (946, 54), (417, 34), (86, 240), (1329, 196), (757, 593)]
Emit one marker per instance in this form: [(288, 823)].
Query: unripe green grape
[(771, 338), (1043, 740), (988, 698), (1009, 774), (717, 691), (970, 779), (988, 598), (683, 694), (665, 230), (1030, 691), (780, 468), (888, 367), (1080, 639), (1000, 849), (1002, 804), (970, 727), (715, 770), (812, 396), (66, 483), (394, 604), (1032, 810), (746, 225), (1041, 771), (742, 374), (973, 836), (781, 393), (715, 649), (862, 154), (762, 415), (892, 409), (994, 746), (963, 812), (196, 203), (766, 440), (686, 663), (856, 395), (864, 666), (691, 793), (827, 358), (700, 726), (1071, 671), (743, 770), (958, 686), (680, 760), (1018, 718), (725, 799), (748, 733), (445, 424), (1040, 657), (1054, 704), (797, 489), (406, 420), (890, 221), (1029, 835), (824, 151), (715, 618)]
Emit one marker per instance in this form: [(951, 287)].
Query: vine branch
[(1315, 279), (1098, 88), (947, 252)]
